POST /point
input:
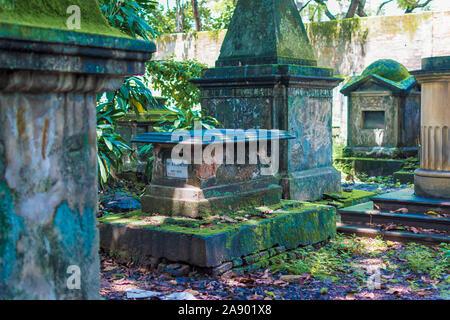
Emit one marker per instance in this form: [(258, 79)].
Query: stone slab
[(372, 166), (432, 184), (399, 236), (406, 198), (365, 215), (293, 224), (156, 202)]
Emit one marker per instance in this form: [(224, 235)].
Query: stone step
[(365, 215), (407, 199), (398, 236)]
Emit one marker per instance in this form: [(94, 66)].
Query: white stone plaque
[(177, 170)]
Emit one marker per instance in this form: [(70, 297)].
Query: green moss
[(53, 14), (346, 199), (206, 227), (405, 24), (344, 30), (388, 69)]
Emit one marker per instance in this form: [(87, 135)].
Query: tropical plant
[(129, 16), (187, 119), (172, 78), (111, 146), (134, 95)]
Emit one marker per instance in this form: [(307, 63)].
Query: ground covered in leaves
[(346, 268)]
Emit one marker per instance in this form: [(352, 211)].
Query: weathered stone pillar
[(49, 79), (267, 78), (432, 180)]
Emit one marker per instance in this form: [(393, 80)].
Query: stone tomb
[(212, 215), (383, 120), (383, 111), (214, 171), (428, 205)]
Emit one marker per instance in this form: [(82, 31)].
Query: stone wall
[(348, 46)]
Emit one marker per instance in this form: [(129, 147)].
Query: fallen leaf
[(401, 210)]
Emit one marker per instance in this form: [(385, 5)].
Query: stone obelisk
[(266, 77)]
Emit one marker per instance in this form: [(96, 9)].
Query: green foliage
[(327, 261), (225, 10), (410, 5), (130, 16), (215, 17), (186, 119), (432, 261), (172, 78), (134, 95), (147, 152), (111, 146), (111, 106)]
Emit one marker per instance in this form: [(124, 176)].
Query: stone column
[(432, 180), (49, 79)]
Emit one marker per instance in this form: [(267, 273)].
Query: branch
[(382, 5), (325, 8), (414, 6), (303, 7)]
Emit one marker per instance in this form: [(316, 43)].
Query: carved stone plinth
[(48, 156)]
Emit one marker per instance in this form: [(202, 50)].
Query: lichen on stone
[(53, 15)]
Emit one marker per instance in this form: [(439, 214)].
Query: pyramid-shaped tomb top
[(266, 32)]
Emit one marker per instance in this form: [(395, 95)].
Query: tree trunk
[(198, 25), (179, 19), (361, 5), (352, 9)]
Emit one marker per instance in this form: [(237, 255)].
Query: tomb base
[(211, 243), (369, 166), (196, 202), (312, 184)]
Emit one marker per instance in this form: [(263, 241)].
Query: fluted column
[(433, 177)]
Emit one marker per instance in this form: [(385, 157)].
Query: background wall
[(348, 46)]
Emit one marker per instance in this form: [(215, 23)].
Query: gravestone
[(219, 171), (131, 125), (383, 112), (48, 157), (266, 77)]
